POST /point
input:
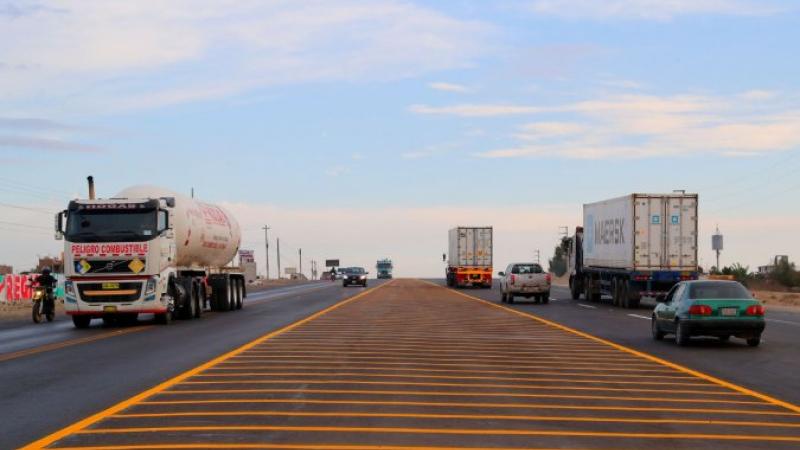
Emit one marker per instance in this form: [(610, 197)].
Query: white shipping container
[(470, 247), (642, 232)]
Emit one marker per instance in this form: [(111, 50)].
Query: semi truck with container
[(384, 268), (635, 246), (148, 250), (469, 258)]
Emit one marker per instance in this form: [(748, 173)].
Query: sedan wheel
[(754, 341), (656, 330), (682, 335)]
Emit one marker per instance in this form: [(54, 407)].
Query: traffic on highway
[(399, 225)]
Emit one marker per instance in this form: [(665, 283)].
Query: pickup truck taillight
[(755, 310), (700, 310), (548, 278), (513, 279)]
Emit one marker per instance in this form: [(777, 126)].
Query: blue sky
[(363, 130)]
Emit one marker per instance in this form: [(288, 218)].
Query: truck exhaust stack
[(90, 179)]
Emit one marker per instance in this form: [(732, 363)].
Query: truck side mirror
[(502, 274), (59, 225)]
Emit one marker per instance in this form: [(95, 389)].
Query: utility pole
[(192, 192), (538, 256), (279, 257), (266, 242), (300, 256)]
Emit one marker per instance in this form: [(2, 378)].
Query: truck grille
[(107, 266), (123, 293)]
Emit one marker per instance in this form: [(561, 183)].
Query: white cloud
[(638, 126), (650, 9), (103, 55), (468, 110), (449, 87), (336, 171)]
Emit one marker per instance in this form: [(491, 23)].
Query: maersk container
[(642, 232), (470, 247)]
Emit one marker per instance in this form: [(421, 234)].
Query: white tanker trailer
[(148, 250)]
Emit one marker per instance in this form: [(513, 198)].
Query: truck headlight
[(363, 277), (151, 286), (69, 288)]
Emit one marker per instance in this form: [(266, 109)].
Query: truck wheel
[(81, 321), (587, 289), (546, 297), (109, 320), (199, 298), (240, 297), (164, 318), (231, 294), (624, 294), (510, 297), (573, 289), (616, 292), (503, 297)]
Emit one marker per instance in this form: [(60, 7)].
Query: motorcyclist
[(47, 280), (333, 273)]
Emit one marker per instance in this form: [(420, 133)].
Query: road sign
[(331, 263)]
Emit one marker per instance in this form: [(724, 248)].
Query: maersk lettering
[(609, 231)]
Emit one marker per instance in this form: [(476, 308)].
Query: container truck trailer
[(470, 257), (148, 250), (635, 246)]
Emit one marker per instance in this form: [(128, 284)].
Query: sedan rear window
[(723, 290), (527, 268)]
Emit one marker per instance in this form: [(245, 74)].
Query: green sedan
[(709, 308)]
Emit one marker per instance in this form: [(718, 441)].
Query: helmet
[(46, 271)]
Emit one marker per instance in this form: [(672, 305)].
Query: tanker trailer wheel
[(231, 305), (189, 303), (200, 295), (240, 299)]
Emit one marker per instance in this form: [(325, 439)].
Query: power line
[(23, 225), (8, 205)]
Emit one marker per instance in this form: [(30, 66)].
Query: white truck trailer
[(470, 257), (634, 246), (148, 250)]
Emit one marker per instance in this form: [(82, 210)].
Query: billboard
[(246, 256), (331, 263), (290, 270)]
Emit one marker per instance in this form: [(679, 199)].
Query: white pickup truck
[(525, 280)]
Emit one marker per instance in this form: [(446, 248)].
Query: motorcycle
[(43, 304)]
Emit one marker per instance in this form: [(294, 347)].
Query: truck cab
[(384, 268)]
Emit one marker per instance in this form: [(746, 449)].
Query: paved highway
[(408, 364), (52, 374), (771, 368)]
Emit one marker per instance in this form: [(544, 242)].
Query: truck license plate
[(729, 311), (110, 286), (110, 309)]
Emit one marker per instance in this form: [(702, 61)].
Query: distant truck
[(384, 268), (148, 250), (469, 260), (635, 246)]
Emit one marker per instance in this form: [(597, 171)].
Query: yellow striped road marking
[(631, 351), (466, 385), (530, 359), (291, 447), (471, 405), (457, 416), (279, 351), (457, 394), (447, 431), (227, 374), (242, 358), (71, 342), (91, 420), (587, 371)]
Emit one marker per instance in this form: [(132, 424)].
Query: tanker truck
[(148, 251)]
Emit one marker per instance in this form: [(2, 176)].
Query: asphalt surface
[(53, 374), (771, 368), (414, 365)]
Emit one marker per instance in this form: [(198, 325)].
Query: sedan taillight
[(700, 310), (755, 310), (548, 278)]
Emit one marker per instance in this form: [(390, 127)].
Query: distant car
[(525, 280), (708, 308), (354, 275)]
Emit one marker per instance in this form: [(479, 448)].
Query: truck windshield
[(384, 266), (111, 225)]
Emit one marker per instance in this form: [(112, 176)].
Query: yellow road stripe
[(251, 359), (71, 429), (228, 374), (457, 416), (291, 447), (643, 355), (456, 394), (71, 342), (467, 385), (471, 405), (587, 371), (447, 431), (530, 359)]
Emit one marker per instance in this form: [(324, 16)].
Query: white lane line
[(587, 306), (638, 316)]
